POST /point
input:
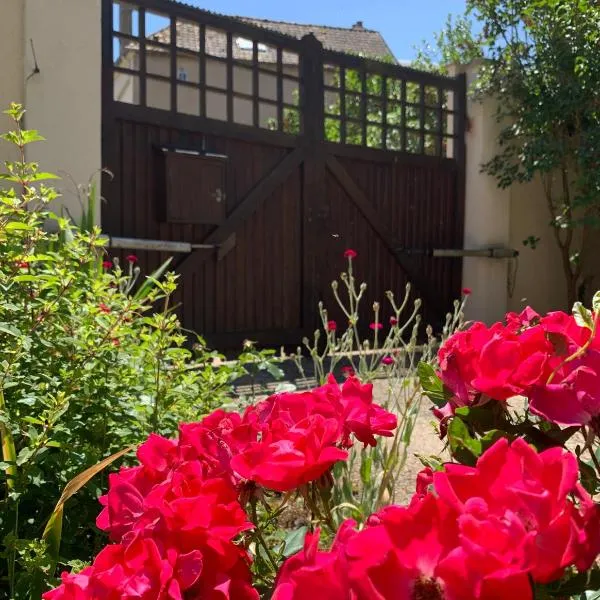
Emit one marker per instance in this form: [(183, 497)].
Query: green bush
[(88, 366)]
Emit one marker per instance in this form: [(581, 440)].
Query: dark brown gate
[(269, 156)]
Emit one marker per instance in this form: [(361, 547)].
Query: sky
[(403, 23)]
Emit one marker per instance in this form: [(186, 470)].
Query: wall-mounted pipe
[(155, 245), (462, 252), (483, 253)]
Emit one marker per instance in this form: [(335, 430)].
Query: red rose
[(573, 396), (285, 462), (469, 533)]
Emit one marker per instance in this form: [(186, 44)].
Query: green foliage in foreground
[(88, 367)]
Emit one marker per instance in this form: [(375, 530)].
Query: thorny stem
[(259, 536)]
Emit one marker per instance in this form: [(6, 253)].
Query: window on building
[(244, 44)]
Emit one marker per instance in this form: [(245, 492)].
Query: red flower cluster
[(300, 436), (526, 356), (174, 526), (481, 533), (174, 519)]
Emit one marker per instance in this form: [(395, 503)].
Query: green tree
[(543, 67)]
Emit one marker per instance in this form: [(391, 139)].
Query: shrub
[(91, 361)]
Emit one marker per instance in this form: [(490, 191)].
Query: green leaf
[(42, 176), (484, 418), (18, 226), (9, 329), (53, 530), (294, 541), (432, 385), (151, 280), (435, 463), (588, 476), (462, 445), (365, 468), (583, 317), (596, 302), (24, 455), (31, 135)]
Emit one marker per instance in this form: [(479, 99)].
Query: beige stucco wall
[(539, 280), (12, 48), (63, 101), (487, 216), (504, 218)]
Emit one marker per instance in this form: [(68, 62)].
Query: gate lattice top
[(171, 57)]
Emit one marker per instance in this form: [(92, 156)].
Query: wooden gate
[(269, 156)]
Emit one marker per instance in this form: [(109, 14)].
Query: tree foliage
[(542, 64)]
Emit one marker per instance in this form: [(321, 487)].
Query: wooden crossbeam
[(381, 229)]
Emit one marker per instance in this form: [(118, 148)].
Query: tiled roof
[(351, 40)]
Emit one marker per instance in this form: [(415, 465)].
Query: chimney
[(358, 25)]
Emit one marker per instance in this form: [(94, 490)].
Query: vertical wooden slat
[(173, 51), (363, 105), (229, 77), (384, 110), (403, 131), (142, 54), (255, 85), (202, 75), (313, 174), (343, 123), (439, 131), (279, 89), (422, 118), (107, 54)]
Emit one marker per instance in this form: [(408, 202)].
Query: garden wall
[(63, 99)]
